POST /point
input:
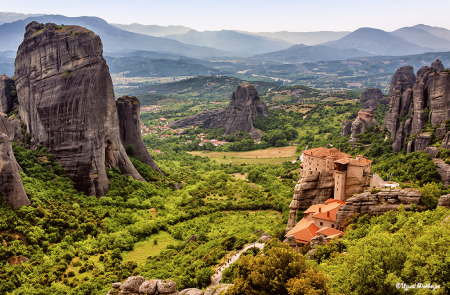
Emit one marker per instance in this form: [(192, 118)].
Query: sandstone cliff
[(66, 100), (128, 109), (414, 104), (377, 203), (245, 106), (11, 185), (6, 102), (315, 188)]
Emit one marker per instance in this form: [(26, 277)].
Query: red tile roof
[(304, 231), (322, 152), (326, 231), (354, 162)]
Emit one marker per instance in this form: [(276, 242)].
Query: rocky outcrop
[(315, 188), (316, 241), (140, 286), (11, 185), (245, 106), (441, 131), (264, 237), (6, 102), (412, 105), (420, 143), (346, 128), (371, 97), (66, 100), (129, 109), (363, 121), (377, 203), (444, 201), (432, 151), (446, 142), (443, 170)]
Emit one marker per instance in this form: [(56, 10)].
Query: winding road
[(215, 279)]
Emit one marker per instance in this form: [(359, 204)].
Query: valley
[(149, 159)]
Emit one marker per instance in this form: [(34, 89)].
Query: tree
[(281, 271)]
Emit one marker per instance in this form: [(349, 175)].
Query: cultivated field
[(267, 156)]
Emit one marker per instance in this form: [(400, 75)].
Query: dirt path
[(215, 279)]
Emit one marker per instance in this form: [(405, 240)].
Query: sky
[(251, 15)]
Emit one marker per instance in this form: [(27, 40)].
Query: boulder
[(6, 102), (129, 109), (432, 151), (69, 105), (370, 97), (444, 201), (346, 128), (265, 237), (217, 290), (438, 66), (192, 239), (191, 291), (132, 284), (11, 185), (166, 287), (148, 287), (116, 285), (245, 106)]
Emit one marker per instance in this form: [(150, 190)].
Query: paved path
[(215, 279)]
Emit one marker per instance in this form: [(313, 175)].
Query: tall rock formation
[(11, 185), (346, 128), (363, 121), (245, 106), (66, 100), (413, 105), (128, 109), (370, 98), (6, 102)]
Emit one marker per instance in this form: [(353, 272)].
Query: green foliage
[(130, 150), (280, 271), (430, 195), (68, 73)]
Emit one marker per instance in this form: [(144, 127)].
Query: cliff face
[(66, 100), (413, 104), (6, 102), (128, 109), (378, 203), (11, 185), (315, 188), (245, 106), (346, 128)]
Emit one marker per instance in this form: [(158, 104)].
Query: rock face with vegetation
[(346, 128), (6, 102), (66, 100), (11, 185), (363, 122), (128, 109), (377, 202), (417, 102), (444, 201), (245, 107), (315, 188)]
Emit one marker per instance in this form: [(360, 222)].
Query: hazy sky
[(251, 15)]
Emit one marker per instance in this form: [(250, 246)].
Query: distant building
[(162, 121)]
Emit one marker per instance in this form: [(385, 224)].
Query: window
[(321, 223), (316, 169), (337, 189), (332, 225)]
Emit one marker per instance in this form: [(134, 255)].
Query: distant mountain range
[(306, 38), (232, 41), (8, 17), (302, 53), (153, 30), (113, 38)]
